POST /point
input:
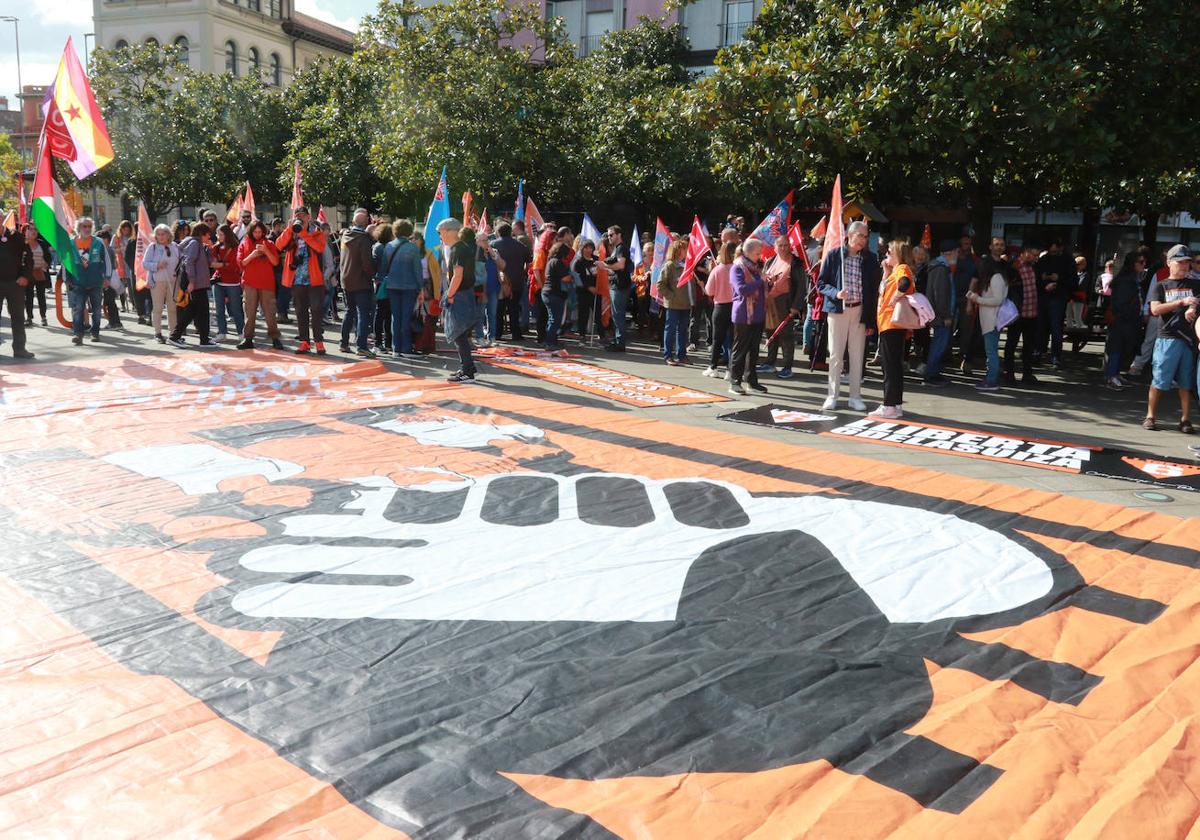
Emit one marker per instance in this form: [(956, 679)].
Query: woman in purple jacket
[(749, 312)]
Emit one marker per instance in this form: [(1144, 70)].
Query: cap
[(299, 210), (1179, 253), (947, 245)]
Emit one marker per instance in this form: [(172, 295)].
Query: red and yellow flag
[(73, 119)]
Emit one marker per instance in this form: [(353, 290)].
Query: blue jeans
[(619, 298), (939, 343), (1052, 313), (79, 297), (675, 333), (358, 313), (230, 296), (493, 315), (554, 308), (991, 346), (403, 302)]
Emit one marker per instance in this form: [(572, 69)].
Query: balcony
[(590, 44), (733, 33)]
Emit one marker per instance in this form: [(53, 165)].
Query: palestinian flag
[(50, 214)]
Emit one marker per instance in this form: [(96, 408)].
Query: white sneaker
[(728, 376), (845, 380), (857, 405), (221, 336), (736, 388), (830, 404), (710, 372), (209, 344)]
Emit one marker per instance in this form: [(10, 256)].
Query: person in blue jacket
[(400, 267), (85, 289)]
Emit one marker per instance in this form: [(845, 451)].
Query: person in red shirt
[(227, 281), (258, 256)]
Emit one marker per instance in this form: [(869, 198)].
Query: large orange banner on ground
[(252, 597)]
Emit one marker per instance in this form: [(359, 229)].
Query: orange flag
[(927, 239), (235, 209), (835, 233), (145, 235)]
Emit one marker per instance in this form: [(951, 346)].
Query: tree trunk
[(1150, 228), (1089, 237), (981, 203)]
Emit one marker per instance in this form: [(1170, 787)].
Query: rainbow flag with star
[(74, 125)]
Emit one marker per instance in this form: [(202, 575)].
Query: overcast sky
[(46, 24)]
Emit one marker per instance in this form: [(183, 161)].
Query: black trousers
[(196, 312), (543, 318), (509, 312), (310, 307), (111, 313), (12, 297), (1024, 330), (722, 318), (891, 357), (37, 290), (746, 340)]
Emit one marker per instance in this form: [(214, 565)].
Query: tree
[(461, 91), (250, 134), (965, 100), (335, 111), (10, 167)]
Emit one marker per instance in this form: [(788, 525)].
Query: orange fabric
[(316, 244), (887, 295)]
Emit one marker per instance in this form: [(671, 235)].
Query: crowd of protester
[(750, 307)]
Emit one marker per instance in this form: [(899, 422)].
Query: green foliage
[(10, 167)]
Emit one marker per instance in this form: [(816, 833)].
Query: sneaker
[(222, 336), (43, 322), (830, 404), (728, 375), (95, 338), (176, 342), (1030, 379), (22, 354), (887, 412), (320, 348), (762, 389), (460, 377), (29, 322), (345, 348), (1115, 384), (284, 319), (366, 354), (304, 347), (920, 371), (276, 344), (78, 339), (709, 371), (684, 360), (159, 338), (209, 344), (938, 381), (765, 368), (856, 405), (786, 373), (736, 388), (671, 361), (845, 379), (986, 386), (1134, 372), (247, 344)]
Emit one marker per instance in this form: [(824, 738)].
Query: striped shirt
[(1029, 307)]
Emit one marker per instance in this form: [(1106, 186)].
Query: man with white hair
[(849, 284), (458, 295), (85, 290)]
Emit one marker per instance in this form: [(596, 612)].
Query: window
[(151, 42), (598, 23), (274, 6), (253, 60), (183, 47), (254, 5), (739, 14), (276, 70), (231, 63), (121, 44)]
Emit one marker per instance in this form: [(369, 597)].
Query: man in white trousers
[(849, 283)]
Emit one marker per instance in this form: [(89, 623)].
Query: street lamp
[(86, 35), (16, 22)]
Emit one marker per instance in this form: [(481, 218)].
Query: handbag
[(904, 315), (1006, 314)]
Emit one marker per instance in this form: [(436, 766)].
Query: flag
[(519, 211), (819, 228), (297, 192), (10, 221), (635, 248), (145, 235), (927, 239), (235, 209), (51, 217), (439, 211), (485, 227), (248, 202), (533, 217), (662, 241), (698, 246), (321, 218), (22, 201), (774, 225), (835, 234), (602, 283), (588, 230), (78, 116), (796, 240), (467, 201)]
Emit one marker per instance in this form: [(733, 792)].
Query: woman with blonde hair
[(160, 260), (899, 282)]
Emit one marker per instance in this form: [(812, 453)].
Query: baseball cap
[(1179, 253)]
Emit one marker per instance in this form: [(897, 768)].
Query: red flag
[(485, 228), (927, 239), (836, 233), (321, 220), (235, 209), (698, 247), (796, 240), (602, 286), (145, 235), (819, 228), (248, 202), (23, 202), (467, 201), (297, 193), (533, 219), (774, 225)]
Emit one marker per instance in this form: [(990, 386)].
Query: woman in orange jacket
[(899, 282)]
